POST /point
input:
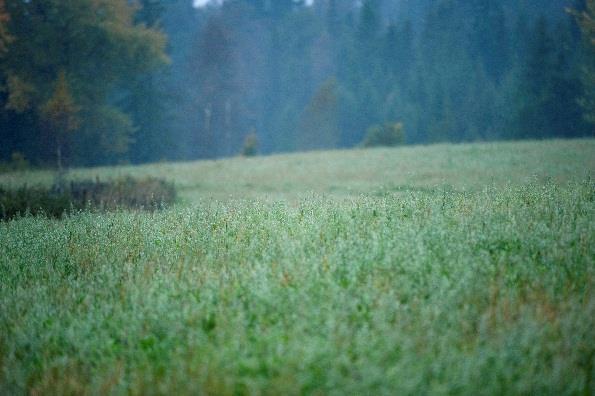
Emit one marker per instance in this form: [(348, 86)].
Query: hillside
[(343, 173)]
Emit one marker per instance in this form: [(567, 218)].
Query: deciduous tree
[(60, 116), (80, 53)]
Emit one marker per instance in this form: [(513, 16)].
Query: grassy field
[(355, 172), (446, 269)]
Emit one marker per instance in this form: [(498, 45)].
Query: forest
[(93, 82)]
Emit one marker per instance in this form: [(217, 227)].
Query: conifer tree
[(586, 21), (536, 83), (320, 124)]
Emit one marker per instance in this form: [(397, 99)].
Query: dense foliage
[(67, 66), (311, 77), (86, 81), (384, 135), (124, 193), (250, 147)]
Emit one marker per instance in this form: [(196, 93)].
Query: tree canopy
[(104, 81), (70, 60)]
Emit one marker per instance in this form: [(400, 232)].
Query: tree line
[(88, 82)]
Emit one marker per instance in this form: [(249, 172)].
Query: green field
[(444, 269)]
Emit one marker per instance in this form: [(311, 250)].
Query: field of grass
[(446, 269), (354, 172)]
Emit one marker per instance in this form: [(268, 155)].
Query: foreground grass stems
[(485, 292)]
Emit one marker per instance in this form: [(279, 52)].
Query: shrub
[(127, 193), (17, 162), (32, 200), (384, 135), (149, 193), (250, 147)]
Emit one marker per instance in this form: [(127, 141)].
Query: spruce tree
[(586, 20)]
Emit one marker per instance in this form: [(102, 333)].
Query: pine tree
[(148, 100), (549, 88), (369, 26), (320, 123), (398, 52), (536, 84), (215, 79), (586, 21), (490, 38)]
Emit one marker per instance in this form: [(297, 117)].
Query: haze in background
[(181, 81)]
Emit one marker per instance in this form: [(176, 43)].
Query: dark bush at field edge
[(125, 193)]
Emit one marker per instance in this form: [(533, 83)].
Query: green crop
[(471, 282)]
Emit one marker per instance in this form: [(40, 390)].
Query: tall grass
[(402, 290), (488, 292)]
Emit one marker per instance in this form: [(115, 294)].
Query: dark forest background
[(88, 82)]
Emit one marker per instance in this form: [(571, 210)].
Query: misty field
[(444, 269)]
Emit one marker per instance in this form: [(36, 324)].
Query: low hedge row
[(125, 193)]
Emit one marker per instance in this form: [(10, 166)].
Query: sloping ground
[(432, 270), (352, 172)]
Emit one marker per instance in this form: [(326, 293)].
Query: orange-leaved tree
[(69, 62), (60, 115)]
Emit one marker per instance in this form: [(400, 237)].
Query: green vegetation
[(98, 82), (444, 269), (125, 193), (60, 70), (384, 135), (345, 173), (17, 163), (250, 148)]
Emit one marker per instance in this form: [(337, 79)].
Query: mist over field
[(113, 81), (287, 197)]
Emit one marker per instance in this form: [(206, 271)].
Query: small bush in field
[(18, 162), (149, 193), (33, 200), (250, 148), (384, 135)]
